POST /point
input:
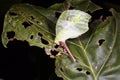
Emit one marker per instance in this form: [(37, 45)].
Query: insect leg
[(67, 49)]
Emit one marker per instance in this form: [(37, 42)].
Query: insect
[(71, 24)]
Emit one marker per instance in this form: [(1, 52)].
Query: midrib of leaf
[(85, 53), (89, 63)]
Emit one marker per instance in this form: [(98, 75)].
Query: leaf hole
[(101, 14), (44, 41), (32, 17), (79, 69), (61, 69), (56, 46), (87, 72), (17, 44), (12, 13), (40, 34), (54, 52), (38, 22), (57, 14), (31, 37), (71, 7), (101, 41), (10, 34), (26, 24)]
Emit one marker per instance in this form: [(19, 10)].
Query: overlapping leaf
[(97, 53), (30, 23), (84, 5)]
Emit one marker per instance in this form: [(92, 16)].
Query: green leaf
[(33, 24), (84, 5), (97, 53), (58, 7)]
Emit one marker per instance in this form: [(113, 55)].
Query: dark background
[(20, 61)]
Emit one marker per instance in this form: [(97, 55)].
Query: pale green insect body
[(71, 24)]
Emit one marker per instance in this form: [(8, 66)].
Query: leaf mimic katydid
[(71, 24)]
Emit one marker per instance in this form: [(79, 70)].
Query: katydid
[(71, 24)]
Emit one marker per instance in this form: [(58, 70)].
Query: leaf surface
[(33, 24), (97, 53)]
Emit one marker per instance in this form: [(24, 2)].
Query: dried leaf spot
[(87, 72), (12, 13), (31, 37), (44, 41), (101, 41), (10, 34), (26, 24), (79, 69), (40, 34)]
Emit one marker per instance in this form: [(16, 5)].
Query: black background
[(20, 61)]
